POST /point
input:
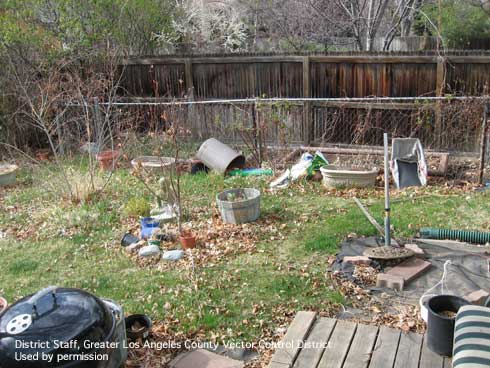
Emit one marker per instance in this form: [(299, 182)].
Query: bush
[(137, 207)]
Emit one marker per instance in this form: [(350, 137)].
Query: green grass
[(77, 245)]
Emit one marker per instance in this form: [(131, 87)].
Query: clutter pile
[(236, 206), (436, 277), (307, 165)]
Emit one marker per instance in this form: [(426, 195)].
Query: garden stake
[(387, 193)]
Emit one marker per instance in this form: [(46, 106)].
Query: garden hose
[(475, 237)]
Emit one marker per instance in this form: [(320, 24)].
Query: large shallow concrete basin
[(336, 176)]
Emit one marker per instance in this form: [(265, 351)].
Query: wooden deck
[(312, 342)]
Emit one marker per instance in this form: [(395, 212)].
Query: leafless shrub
[(68, 103)]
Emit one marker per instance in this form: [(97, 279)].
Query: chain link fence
[(449, 124), (268, 128)]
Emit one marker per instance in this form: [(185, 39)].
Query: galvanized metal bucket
[(238, 206), (220, 157)]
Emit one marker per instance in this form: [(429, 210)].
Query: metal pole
[(483, 145), (387, 193)]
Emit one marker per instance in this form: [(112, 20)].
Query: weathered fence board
[(330, 75)]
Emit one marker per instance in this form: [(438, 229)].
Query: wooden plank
[(370, 218), (338, 346), (408, 353), (292, 341), (429, 359), (189, 81), (354, 58), (361, 151), (372, 105), (362, 345), (441, 76), (311, 354), (363, 59), (307, 111), (469, 59), (440, 86), (279, 365), (214, 60), (384, 351)]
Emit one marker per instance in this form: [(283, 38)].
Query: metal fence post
[(483, 144), (387, 192)]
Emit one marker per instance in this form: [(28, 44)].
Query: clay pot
[(188, 240), (107, 159), (3, 304), (43, 154)]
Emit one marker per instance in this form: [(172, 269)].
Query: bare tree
[(314, 24), (402, 20), (293, 24), (369, 19), (57, 100), (365, 17)]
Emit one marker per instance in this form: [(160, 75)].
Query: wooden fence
[(333, 75)]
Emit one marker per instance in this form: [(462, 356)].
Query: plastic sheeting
[(408, 164), (305, 166), (469, 269)]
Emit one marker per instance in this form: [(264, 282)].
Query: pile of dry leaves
[(379, 311), (215, 240)]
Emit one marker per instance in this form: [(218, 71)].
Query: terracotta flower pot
[(43, 154), (107, 159), (188, 240), (3, 304)]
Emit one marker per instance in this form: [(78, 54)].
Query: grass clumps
[(137, 207)]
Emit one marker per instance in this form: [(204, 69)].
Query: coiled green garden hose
[(475, 237)]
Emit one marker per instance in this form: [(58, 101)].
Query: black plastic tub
[(442, 311), (145, 323), (128, 239)]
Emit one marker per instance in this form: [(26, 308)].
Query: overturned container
[(220, 157)]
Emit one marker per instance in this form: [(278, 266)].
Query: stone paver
[(410, 269), (390, 281), (201, 358)]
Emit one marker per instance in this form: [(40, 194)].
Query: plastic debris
[(408, 164), (306, 166), (164, 214), (250, 172)]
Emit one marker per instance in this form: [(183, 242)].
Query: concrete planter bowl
[(336, 177), (152, 162), (8, 174), (238, 206)]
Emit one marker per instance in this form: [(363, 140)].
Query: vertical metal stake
[(483, 145), (387, 192)]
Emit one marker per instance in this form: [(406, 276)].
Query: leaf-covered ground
[(245, 283)]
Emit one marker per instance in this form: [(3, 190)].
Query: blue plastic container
[(148, 226)]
